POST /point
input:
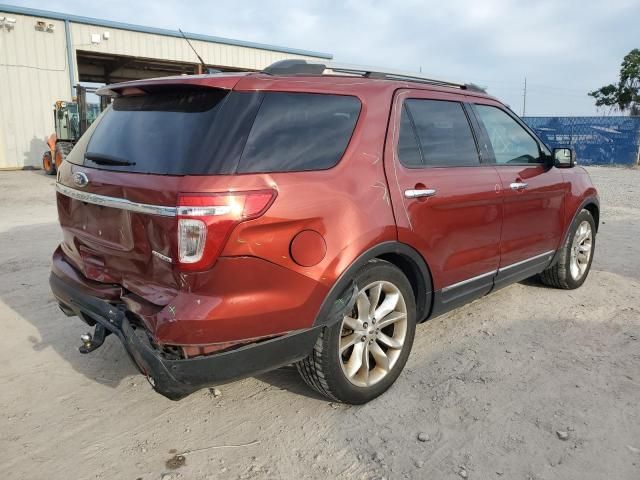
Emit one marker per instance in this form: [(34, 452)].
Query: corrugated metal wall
[(146, 45), (33, 75)]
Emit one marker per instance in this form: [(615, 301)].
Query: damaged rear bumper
[(177, 378)]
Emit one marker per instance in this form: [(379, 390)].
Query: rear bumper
[(239, 298), (176, 379)]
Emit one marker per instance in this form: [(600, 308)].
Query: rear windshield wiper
[(107, 159)]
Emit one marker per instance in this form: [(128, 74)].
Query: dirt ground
[(490, 384)]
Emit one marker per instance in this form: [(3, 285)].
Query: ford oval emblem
[(80, 179)]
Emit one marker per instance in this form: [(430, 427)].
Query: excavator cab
[(67, 121), (71, 120)]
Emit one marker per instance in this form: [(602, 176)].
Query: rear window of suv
[(160, 132), (206, 131)]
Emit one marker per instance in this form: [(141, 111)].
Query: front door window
[(511, 143)]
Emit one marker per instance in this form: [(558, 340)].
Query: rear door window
[(408, 146), (299, 132), (442, 135)]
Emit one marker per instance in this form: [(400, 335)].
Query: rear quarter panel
[(348, 204)]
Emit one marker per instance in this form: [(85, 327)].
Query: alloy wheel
[(581, 250), (373, 334)]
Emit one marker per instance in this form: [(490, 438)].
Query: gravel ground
[(528, 383)]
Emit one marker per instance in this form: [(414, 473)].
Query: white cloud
[(564, 48)]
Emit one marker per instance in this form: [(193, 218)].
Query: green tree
[(625, 96)]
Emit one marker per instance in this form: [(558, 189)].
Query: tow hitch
[(91, 343)]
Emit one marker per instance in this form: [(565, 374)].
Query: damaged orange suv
[(228, 224)]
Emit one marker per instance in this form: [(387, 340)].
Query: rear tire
[(360, 357), (47, 164), (575, 257)]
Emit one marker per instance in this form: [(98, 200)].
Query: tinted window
[(299, 131), (444, 133), (205, 131), (408, 149), (510, 142), (162, 132)]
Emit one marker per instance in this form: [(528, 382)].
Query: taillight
[(191, 237), (206, 220)]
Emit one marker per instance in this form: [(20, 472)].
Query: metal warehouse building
[(44, 54)]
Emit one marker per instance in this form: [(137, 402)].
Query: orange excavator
[(71, 120)]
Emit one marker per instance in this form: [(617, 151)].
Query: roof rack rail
[(306, 67)]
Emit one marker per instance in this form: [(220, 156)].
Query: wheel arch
[(592, 205), (407, 259)]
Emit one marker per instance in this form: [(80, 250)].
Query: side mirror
[(564, 157)]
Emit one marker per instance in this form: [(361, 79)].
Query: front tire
[(47, 164), (575, 257), (360, 357)]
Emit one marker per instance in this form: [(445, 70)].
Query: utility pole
[(524, 98)]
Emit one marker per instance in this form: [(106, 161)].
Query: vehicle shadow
[(533, 282), (287, 378), (24, 289)]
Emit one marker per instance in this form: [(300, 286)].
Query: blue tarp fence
[(596, 140)]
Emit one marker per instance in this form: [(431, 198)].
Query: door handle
[(426, 192), (519, 185)]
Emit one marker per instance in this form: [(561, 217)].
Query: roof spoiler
[(224, 80)]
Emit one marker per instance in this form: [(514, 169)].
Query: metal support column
[(72, 80)]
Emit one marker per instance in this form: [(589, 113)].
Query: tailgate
[(117, 193), (117, 231)]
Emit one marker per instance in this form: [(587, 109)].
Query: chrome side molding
[(469, 280), (548, 254)]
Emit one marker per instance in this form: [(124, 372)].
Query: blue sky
[(564, 48)]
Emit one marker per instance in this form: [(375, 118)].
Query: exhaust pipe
[(66, 310)]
